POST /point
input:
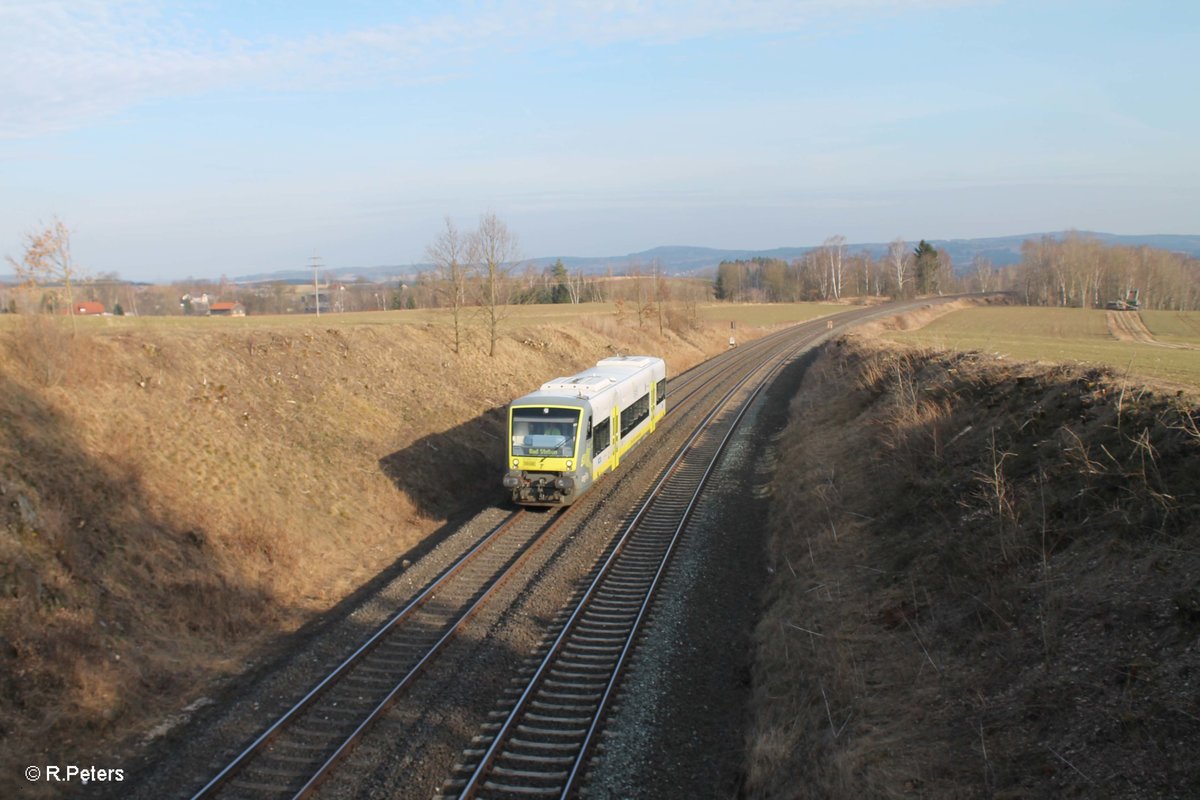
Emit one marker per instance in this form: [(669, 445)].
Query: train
[(572, 430)]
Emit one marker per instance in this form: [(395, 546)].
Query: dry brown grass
[(985, 584), (173, 496)]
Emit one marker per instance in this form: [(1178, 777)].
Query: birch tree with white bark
[(899, 261)]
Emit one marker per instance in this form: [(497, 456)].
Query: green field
[(1071, 335), (1181, 327)]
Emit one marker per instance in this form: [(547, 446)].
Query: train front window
[(544, 431)]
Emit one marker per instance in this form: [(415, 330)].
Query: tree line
[(479, 273), (1082, 271), (830, 273), (1076, 270)]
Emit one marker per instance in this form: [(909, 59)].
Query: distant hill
[(1002, 251), (686, 260)]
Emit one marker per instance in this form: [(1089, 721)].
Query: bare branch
[(47, 260)]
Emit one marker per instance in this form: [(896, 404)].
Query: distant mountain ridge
[(1001, 250), (690, 260)]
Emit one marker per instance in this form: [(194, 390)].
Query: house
[(194, 304), (85, 308), (224, 309)]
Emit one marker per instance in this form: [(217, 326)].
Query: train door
[(585, 452), (653, 404), (616, 437)]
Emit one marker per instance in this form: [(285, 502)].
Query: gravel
[(678, 727)]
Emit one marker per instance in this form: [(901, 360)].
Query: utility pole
[(316, 265)]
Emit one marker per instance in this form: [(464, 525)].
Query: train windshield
[(544, 431)]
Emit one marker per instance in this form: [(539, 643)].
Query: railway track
[(538, 745), (292, 754), (295, 752)]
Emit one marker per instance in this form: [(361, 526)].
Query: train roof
[(584, 385), (594, 380), (627, 361)]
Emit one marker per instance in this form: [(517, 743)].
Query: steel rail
[(618, 669), (416, 669), (257, 746), (472, 785), (708, 373)]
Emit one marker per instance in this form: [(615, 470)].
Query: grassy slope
[(987, 584), (1066, 334), (175, 492)]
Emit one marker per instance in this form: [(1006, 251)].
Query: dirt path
[(1127, 326)]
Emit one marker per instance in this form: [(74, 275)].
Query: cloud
[(65, 63)]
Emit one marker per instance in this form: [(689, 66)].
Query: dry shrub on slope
[(987, 583)]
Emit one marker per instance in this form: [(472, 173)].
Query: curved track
[(540, 741), (295, 752), (292, 754), (539, 747)]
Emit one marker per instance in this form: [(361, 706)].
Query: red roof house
[(86, 307), (227, 310)]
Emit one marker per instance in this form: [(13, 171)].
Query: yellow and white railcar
[(572, 430)]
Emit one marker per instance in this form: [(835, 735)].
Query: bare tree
[(662, 293), (899, 260), (945, 272), (575, 286), (834, 250), (1079, 271), (451, 262), (643, 293), (493, 250), (985, 273), (47, 259), (695, 292)]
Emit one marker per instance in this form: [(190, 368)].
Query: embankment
[(986, 584), (175, 496)]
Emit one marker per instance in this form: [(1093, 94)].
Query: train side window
[(634, 413), (660, 390), (601, 437)]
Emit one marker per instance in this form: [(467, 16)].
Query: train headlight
[(570, 464), (516, 463)]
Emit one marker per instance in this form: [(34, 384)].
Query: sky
[(227, 138)]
